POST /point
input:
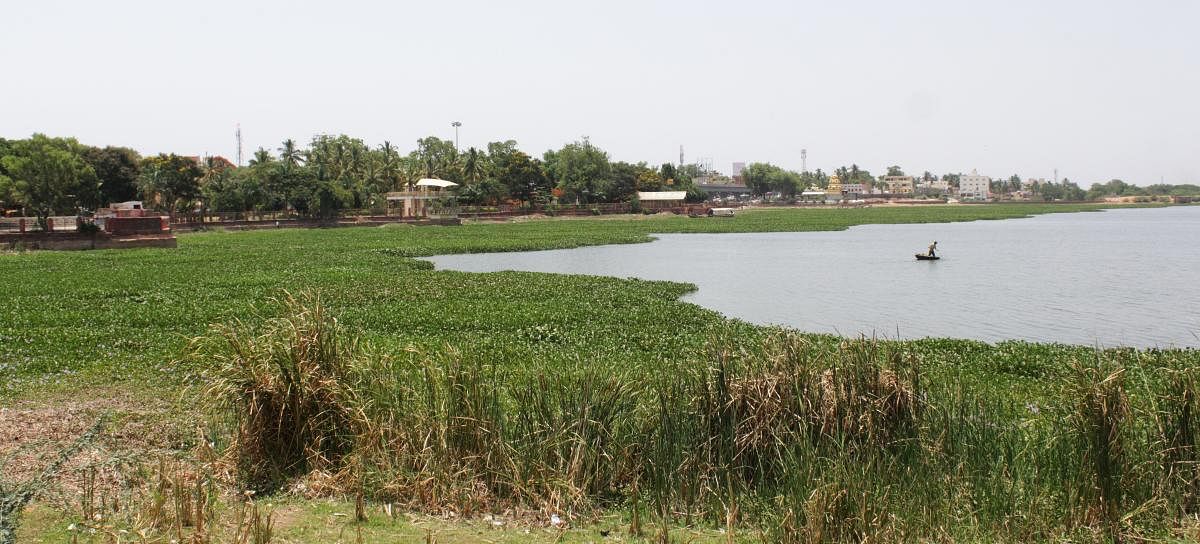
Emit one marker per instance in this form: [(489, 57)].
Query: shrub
[(290, 383)]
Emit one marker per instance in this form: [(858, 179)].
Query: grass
[(588, 396), (101, 317)]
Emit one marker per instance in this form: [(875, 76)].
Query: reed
[(290, 384), (804, 439)]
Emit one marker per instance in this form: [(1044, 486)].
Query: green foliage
[(47, 176), (485, 192), (170, 181), (696, 195), (582, 171), (117, 169), (1114, 187), (437, 158), (521, 176), (584, 392), (762, 178)]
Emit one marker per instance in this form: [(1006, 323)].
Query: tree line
[(44, 176), (764, 178)]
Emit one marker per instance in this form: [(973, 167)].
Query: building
[(815, 194), (738, 167), (725, 190), (853, 190), (934, 185), (420, 203), (833, 191), (656, 200), (898, 185), (974, 186)]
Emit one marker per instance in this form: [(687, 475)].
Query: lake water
[(1120, 277)]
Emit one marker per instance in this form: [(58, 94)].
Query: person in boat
[(933, 249)]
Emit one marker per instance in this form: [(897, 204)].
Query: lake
[(1125, 277)]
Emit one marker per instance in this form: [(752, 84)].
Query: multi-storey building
[(974, 186)]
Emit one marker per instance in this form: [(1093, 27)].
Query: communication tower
[(803, 161), (239, 145)]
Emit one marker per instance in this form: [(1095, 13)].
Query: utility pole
[(456, 124)]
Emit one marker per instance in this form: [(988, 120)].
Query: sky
[(1095, 89)]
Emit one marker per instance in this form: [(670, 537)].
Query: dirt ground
[(136, 430)]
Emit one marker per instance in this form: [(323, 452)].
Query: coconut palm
[(473, 165), (262, 156), (289, 154)]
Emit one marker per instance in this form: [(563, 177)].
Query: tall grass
[(291, 384), (807, 441)]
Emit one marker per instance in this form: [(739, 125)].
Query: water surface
[(1119, 277)]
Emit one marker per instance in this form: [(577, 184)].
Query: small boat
[(924, 257)]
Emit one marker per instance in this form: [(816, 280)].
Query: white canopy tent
[(439, 183)]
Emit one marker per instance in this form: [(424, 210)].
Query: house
[(898, 185), (934, 185), (974, 186)]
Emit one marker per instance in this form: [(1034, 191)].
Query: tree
[(170, 180), (581, 170), (289, 154), (391, 166), (117, 170), (895, 171), (648, 180), (762, 178), (485, 192), (437, 158), (261, 156), (220, 192), (473, 168), (624, 181), (1114, 187), (47, 176), (670, 176), (695, 195), (521, 176)]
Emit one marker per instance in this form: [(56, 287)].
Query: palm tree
[(262, 156), (289, 154), (389, 165), (472, 169)]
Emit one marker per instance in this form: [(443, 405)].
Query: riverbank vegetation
[(536, 396), (44, 176)]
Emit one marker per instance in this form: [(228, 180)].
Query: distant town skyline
[(1094, 90)]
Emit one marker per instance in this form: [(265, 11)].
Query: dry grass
[(290, 384)]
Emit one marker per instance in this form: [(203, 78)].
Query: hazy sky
[(1098, 89)]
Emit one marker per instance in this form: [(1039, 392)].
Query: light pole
[(456, 124)]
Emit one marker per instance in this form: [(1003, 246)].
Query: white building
[(853, 190), (974, 186), (939, 185)]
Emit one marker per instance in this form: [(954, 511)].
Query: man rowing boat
[(933, 249)]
